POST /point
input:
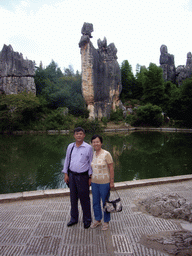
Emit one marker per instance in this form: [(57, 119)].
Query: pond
[(34, 162)]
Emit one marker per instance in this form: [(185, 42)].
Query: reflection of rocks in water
[(116, 154), (168, 206), (174, 243)]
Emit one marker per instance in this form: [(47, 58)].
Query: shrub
[(116, 115), (57, 120), (104, 120), (90, 126), (18, 110), (148, 115)]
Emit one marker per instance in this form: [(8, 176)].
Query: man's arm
[(90, 160), (66, 164)]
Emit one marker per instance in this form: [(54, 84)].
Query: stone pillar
[(101, 76), (16, 73)]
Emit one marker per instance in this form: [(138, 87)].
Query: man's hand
[(66, 178), (89, 181)]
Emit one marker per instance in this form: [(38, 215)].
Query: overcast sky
[(46, 30)]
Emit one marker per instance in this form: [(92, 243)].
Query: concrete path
[(38, 226)]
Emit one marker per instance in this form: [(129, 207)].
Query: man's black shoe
[(87, 225), (71, 223)]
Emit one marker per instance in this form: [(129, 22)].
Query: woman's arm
[(111, 171)]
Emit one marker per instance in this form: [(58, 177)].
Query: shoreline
[(39, 194), (106, 130)]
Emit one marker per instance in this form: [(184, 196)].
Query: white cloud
[(46, 30)]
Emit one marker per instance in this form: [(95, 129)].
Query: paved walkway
[(38, 226)]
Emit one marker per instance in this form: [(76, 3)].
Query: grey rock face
[(101, 77), (168, 206), (170, 73), (167, 63), (174, 243), (184, 72), (16, 73)]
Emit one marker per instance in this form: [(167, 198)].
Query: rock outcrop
[(16, 73), (184, 72), (167, 63), (168, 206), (101, 76), (170, 73)]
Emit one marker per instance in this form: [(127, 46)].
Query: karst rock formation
[(16, 73), (170, 72), (101, 75)]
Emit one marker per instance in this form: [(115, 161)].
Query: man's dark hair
[(79, 129), (97, 136)]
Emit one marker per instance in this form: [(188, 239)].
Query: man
[(77, 170)]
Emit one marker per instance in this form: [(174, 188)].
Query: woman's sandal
[(105, 226), (95, 224)]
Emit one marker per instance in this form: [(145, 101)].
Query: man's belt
[(78, 173)]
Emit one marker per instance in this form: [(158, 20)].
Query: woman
[(102, 180)]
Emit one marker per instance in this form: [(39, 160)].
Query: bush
[(104, 120), (116, 115), (18, 110), (56, 120), (129, 119), (148, 115), (90, 126)]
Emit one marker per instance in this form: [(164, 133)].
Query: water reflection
[(35, 162)]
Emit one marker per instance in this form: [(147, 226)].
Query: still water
[(34, 162)]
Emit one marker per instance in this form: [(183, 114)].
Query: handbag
[(113, 205)]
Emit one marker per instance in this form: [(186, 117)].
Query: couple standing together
[(83, 168)]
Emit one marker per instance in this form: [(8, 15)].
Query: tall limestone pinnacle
[(101, 75), (16, 73), (172, 73)]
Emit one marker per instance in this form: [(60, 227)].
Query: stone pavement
[(38, 226)]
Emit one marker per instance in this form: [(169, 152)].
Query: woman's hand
[(111, 184)]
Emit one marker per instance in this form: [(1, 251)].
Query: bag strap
[(70, 156), (109, 193), (115, 191)]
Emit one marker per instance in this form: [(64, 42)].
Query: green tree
[(127, 81), (140, 77), (148, 115), (153, 86), (18, 110), (61, 90), (171, 93), (186, 102)]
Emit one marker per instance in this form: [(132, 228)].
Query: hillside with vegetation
[(58, 104)]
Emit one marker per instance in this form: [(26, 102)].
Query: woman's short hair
[(97, 136)]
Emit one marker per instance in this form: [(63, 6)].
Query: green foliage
[(171, 100), (140, 76), (153, 86), (127, 80), (18, 110), (61, 90), (104, 120), (58, 120), (90, 126), (116, 115), (186, 102), (148, 115), (130, 119)]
